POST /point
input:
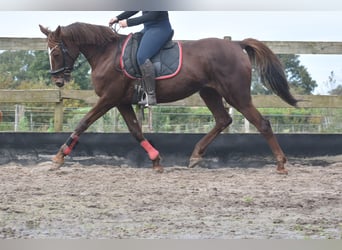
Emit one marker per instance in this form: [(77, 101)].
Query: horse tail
[(270, 69)]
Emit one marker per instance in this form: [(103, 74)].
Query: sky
[(190, 25)]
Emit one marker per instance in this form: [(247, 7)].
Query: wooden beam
[(278, 47), (15, 43), (307, 101), (320, 101), (302, 47), (272, 101), (58, 117), (30, 96), (293, 47), (87, 96)]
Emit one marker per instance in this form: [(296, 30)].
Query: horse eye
[(56, 54)]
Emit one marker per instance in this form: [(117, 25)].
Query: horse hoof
[(158, 169), (194, 162), (55, 166), (282, 171), (57, 163)]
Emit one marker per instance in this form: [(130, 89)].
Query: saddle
[(167, 63)]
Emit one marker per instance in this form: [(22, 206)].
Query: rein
[(119, 45), (114, 29)]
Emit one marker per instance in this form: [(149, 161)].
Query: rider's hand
[(123, 23), (113, 20)]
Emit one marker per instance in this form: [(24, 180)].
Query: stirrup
[(145, 101)]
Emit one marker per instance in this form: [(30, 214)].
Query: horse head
[(61, 54)]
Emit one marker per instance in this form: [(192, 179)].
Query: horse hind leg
[(264, 127), (214, 102)]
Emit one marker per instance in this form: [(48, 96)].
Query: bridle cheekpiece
[(66, 69)]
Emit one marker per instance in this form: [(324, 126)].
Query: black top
[(147, 17)]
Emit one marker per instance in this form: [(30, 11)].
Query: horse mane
[(88, 34)]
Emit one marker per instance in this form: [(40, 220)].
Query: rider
[(157, 31)]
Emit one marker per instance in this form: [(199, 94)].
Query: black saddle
[(167, 62)]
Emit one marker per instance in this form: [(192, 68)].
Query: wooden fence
[(58, 95), (279, 47)]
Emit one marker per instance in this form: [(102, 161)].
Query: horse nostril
[(59, 82)]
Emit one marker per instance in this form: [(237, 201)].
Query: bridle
[(66, 69)]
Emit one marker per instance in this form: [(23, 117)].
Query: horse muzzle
[(61, 79)]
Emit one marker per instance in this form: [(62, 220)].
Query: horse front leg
[(128, 114), (101, 107)]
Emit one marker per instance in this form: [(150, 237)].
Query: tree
[(297, 74), (334, 89), (13, 66), (18, 67), (38, 69)]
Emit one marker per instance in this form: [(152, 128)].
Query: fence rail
[(88, 96), (57, 96), (279, 47)]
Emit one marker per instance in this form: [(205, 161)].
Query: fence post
[(19, 114), (247, 127), (58, 116), (150, 119)]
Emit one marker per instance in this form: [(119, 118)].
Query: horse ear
[(44, 30), (58, 31)]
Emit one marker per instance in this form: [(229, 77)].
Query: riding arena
[(139, 184)]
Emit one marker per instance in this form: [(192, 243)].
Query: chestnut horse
[(216, 68)]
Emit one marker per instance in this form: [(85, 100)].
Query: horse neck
[(96, 54)]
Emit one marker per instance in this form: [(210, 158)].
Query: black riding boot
[(148, 77)]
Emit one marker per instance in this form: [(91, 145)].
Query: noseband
[(65, 69)]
